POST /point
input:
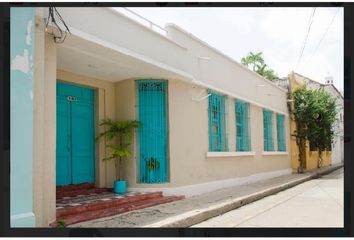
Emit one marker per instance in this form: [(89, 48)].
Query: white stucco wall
[(178, 50), (214, 69), (189, 142), (96, 24)]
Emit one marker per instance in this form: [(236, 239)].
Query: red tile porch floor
[(83, 202)]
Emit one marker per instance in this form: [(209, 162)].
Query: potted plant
[(119, 136), (152, 165)]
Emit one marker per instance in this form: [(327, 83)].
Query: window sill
[(230, 154), (275, 153)]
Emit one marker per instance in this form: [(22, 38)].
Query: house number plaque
[(71, 99)]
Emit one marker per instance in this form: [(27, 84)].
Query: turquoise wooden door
[(152, 112), (75, 135)]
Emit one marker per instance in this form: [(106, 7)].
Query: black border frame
[(5, 229)]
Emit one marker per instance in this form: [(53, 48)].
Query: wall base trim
[(197, 189), (27, 219)]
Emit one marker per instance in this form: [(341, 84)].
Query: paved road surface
[(316, 203)]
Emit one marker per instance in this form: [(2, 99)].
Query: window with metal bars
[(281, 133), (242, 112), (268, 130), (217, 122), (153, 164)]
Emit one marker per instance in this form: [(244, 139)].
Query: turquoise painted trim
[(217, 122), (268, 130), (281, 133), (23, 220), (243, 141), (21, 116), (153, 136)]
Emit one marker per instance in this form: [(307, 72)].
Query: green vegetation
[(121, 133), (256, 62), (314, 112), (152, 164), (61, 224)]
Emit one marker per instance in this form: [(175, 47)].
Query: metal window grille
[(268, 130), (242, 113), (281, 133), (153, 136), (217, 122)]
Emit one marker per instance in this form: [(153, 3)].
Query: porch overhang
[(88, 55)]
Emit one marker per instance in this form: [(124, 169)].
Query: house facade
[(338, 126), (336, 154), (210, 122)]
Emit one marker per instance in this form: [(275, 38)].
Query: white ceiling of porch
[(88, 58)]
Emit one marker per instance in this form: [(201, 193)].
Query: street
[(316, 203)]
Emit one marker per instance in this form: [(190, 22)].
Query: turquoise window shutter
[(281, 133), (217, 122), (224, 143), (268, 130), (242, 126), (265, 130), (270, 134), (247, 137)]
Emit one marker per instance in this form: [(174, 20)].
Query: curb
[(199, 215)]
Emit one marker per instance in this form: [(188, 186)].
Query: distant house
[(336, 155), (338, 143), (209, 121)]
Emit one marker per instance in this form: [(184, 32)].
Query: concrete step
[(113, 209)]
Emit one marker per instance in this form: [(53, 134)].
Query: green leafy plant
[(256, 62), (120, 134), (61, 224), (152, 164), (314, 113)]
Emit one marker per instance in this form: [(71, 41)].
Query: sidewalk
[(193, 210)]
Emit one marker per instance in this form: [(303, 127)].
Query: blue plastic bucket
[(120, 187)]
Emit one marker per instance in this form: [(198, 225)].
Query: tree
[(123, 132), (254, 59), (256, 62), (314, 112)]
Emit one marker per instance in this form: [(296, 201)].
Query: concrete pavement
[(316, 203), (193, 210)]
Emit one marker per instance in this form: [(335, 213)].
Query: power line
[(306, 36), (324, 35)]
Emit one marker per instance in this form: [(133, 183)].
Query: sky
[(277, 32)]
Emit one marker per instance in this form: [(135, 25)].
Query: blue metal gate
[(152, 113)]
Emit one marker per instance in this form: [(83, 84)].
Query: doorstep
[(84, 202)]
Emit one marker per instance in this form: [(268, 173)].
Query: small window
[(281, 133), (217, 123), (242, 111), (268, 130)]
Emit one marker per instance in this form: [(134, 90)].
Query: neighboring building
[(209, 121), (293, 82), (338, 142)]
